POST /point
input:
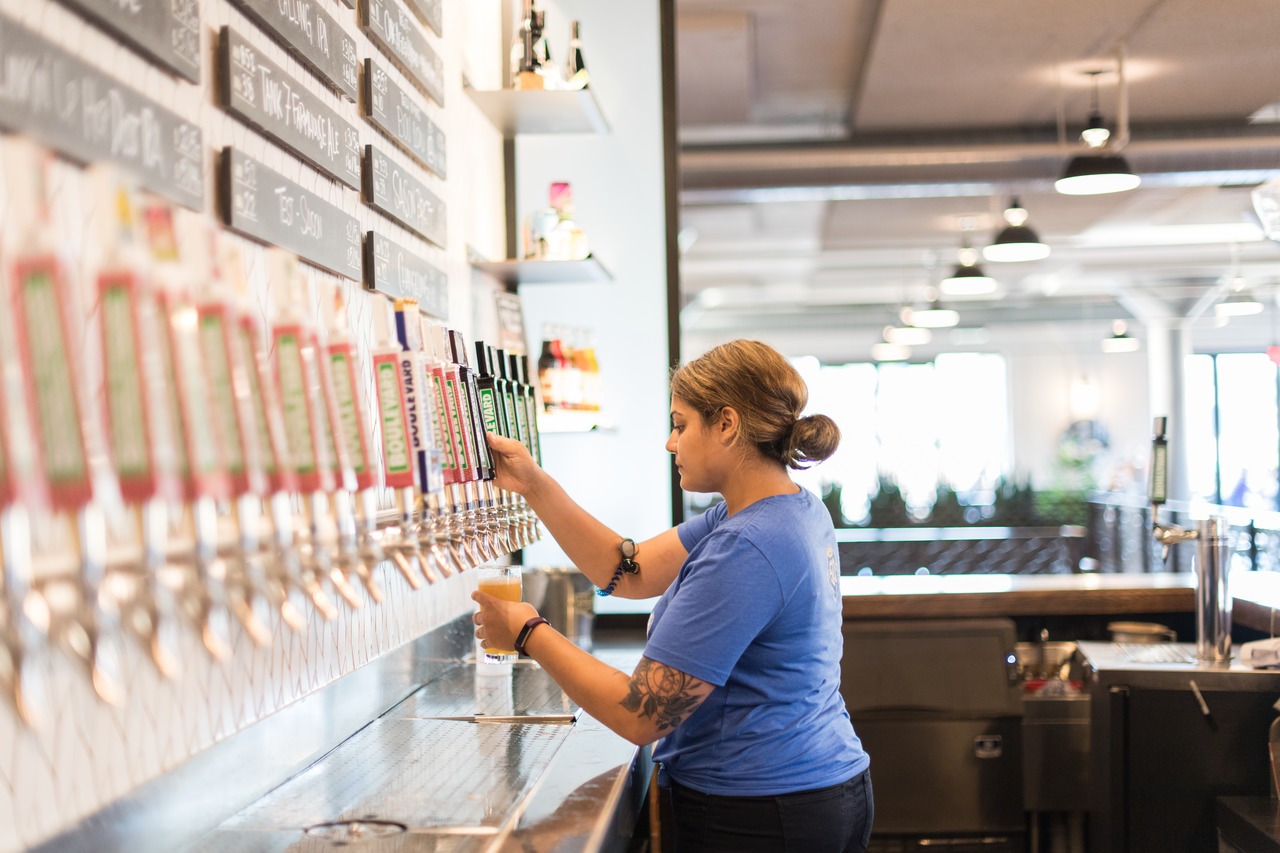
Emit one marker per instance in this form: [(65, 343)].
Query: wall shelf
[(571, 420), (587, 270), (518, 111)]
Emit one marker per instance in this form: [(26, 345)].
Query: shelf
[(573, 421), (548, 111), (587, 270)]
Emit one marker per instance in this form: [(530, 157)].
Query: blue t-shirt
[(755, 610)]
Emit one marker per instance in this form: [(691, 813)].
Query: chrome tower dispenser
[(1213, 604)]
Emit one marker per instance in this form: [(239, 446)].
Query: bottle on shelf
[(524, 63), (575, 69), (546, 69), (548, 375), (566, 242)]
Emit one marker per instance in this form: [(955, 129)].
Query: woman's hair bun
[(813, 439)]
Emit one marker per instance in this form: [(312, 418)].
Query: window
[(1232, 435), (921, 425)]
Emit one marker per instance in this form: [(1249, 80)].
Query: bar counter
[(1256, 596)]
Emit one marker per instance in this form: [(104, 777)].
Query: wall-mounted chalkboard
[(431, 13), (390, 188), (75, 109), (310, 33), (390, 26), (400, 116), (265, 205), (262, 93), (165, 31), (392, 269)]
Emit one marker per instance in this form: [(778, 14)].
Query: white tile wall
[(86, 754)]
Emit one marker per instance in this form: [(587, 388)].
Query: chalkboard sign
[(308, 32), (392, 269), (431, 14), (267, 206), (166, 31), (390, 188), (393, 29), (54, 97), (400, 116), (262, 93)]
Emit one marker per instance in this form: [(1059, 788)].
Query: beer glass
[(500, 582)]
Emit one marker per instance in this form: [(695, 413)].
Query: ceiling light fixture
[(1101, 168), (1239, 303), (886, 351), (1120, 340), (907, 335), (1016, 241), (968, 279), (932, 317)]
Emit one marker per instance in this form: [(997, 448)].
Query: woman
[(741, 669)]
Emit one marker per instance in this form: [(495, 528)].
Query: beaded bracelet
[(627, 548)]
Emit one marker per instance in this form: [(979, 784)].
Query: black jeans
[(824, 820)]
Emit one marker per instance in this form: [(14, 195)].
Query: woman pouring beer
[(740, 676)]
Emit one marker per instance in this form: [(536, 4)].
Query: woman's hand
[(498, 622), (514, 468)]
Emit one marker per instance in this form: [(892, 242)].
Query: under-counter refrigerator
[(938, 706), (1169, 736)]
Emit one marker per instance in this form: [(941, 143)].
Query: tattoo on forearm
[(662, 694)]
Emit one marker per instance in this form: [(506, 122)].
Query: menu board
[(265, 95), (431, 13), (166, 31), (390, 188), (68, 105), (400, 116), (390, 26), (265, 205), (392, 269), (312, 35)]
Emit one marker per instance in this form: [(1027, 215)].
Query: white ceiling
[(830, 150)]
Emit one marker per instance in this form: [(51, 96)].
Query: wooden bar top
[(1256, 596)]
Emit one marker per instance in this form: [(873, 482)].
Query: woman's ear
[(727, 424)]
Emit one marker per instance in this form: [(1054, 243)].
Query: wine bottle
[(575, 69), (524, 64), (546, 68), (548, 373)]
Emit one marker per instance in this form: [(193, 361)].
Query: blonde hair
[(768, 394)]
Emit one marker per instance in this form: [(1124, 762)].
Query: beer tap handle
[(1159, 475), (23, 684)]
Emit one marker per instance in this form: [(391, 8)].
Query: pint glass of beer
[(500, 582)]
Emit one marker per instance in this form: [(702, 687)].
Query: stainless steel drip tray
[(293, 841), (525, 694), (452, 785)]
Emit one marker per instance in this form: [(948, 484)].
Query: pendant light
[(1120, 340), (1100, 169), (886, 351), (1239, 303), (934, 316), (968, 279), (1016, 241), (908, 335)]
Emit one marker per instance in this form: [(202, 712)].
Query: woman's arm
[(588, 542), (642, 707)]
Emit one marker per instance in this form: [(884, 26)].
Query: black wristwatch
[(523, 636)]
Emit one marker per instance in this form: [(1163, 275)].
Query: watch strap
[(523, 636)]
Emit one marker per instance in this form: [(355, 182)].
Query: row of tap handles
[(175, 456)]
